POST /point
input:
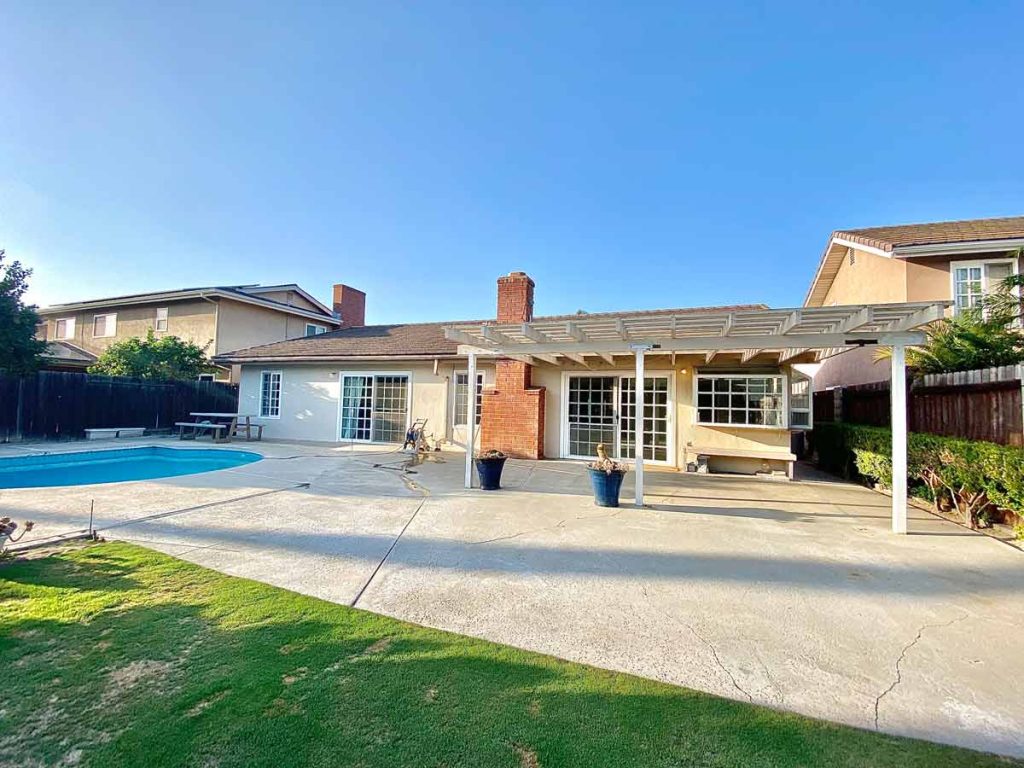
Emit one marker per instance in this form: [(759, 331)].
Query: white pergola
[(787, 333)]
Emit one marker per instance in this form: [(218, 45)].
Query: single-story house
[(720, 383)]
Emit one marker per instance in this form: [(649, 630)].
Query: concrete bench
[(217, 431), (766, 453), (107, 433)]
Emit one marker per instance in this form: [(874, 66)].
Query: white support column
[(898, 394), (638, 424), (471, 420)]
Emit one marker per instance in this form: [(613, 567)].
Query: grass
[(113, 655)]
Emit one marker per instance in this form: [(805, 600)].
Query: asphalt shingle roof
[(414, 339)]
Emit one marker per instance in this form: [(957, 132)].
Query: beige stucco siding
[(291, 298), (683, 416), (189, 320), (871, 279), (246, 325)]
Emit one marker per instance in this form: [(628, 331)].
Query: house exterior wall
[(876, 279), (240, 326), (871, 279), (291, 298), (192, 320), (310, 393)]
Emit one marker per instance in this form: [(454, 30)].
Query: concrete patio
[(792, 595)]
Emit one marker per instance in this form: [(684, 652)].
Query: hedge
[(970, 476)]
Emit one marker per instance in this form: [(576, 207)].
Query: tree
[(166, 358), (20, 350)]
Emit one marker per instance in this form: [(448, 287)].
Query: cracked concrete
[(790, 595)]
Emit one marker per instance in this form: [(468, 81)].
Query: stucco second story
[(219, 318), (956, 261)]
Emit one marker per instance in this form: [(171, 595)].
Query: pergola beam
[(572, 330)]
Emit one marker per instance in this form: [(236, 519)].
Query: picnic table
[(231, 424)]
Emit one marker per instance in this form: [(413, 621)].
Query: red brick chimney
[(349, 305), (512, 414)]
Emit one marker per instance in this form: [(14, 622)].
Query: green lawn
[(113, 655)]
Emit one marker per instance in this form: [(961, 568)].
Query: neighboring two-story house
[(958, 261), (219, 318)]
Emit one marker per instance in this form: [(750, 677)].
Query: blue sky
[(627, 156)]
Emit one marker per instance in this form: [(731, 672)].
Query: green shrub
[(970, 476)]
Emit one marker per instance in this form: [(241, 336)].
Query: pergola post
[(471, 420), (898, 396), (638, 425)]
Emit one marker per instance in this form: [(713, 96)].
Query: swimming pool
[(115, 466)]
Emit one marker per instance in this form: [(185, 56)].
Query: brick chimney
[(512, 414), (349, 305), (515, 298)]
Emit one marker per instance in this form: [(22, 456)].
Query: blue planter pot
[(489, 472), (606, 487)]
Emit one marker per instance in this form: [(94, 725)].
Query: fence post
[(21, 406)]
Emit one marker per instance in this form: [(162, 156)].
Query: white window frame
[(373, 374), (792, 377), (985, 286), (109, 325), (156, 322), (212, 377), (619, 374), (280, 392), (69, 328), (317, 329), (783, 378), (479, 398)]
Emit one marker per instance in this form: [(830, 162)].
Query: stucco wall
[(857, 366), (309, 397), (870, 279), (245, 325), (190, 320), (683, 426)]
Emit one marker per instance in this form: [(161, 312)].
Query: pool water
[(116, 465)]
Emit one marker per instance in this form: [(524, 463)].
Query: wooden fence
[(54, 405), (978, 405)]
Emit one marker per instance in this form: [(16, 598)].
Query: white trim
[(860, 247), (793, 375), (318, 329), (985, 287), (618, 374), (166, 319), (280, 392), (783, 377), (109, 327), (373, 375), (69, 322), (455, 374), (973, 246)]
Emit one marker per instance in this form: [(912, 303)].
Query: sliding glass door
[(374, 407), (602, 409)]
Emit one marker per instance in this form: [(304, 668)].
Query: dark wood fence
[(977, 405), (55, 406)]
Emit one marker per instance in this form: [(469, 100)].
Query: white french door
[(373, 407), (602, 409)]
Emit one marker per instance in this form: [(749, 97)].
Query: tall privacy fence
[(975, 405), (61, 406)]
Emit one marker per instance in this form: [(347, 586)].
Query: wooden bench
[(217, 431), (245, 428), (766, 453), (107, 433)]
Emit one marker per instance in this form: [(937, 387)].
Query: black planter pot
[(606, 486), (489, 472)]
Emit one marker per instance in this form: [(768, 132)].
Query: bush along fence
[(977, 480), (54, 405), (976, 405)]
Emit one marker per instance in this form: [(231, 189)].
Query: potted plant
[(489, 464), (606, 477)]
